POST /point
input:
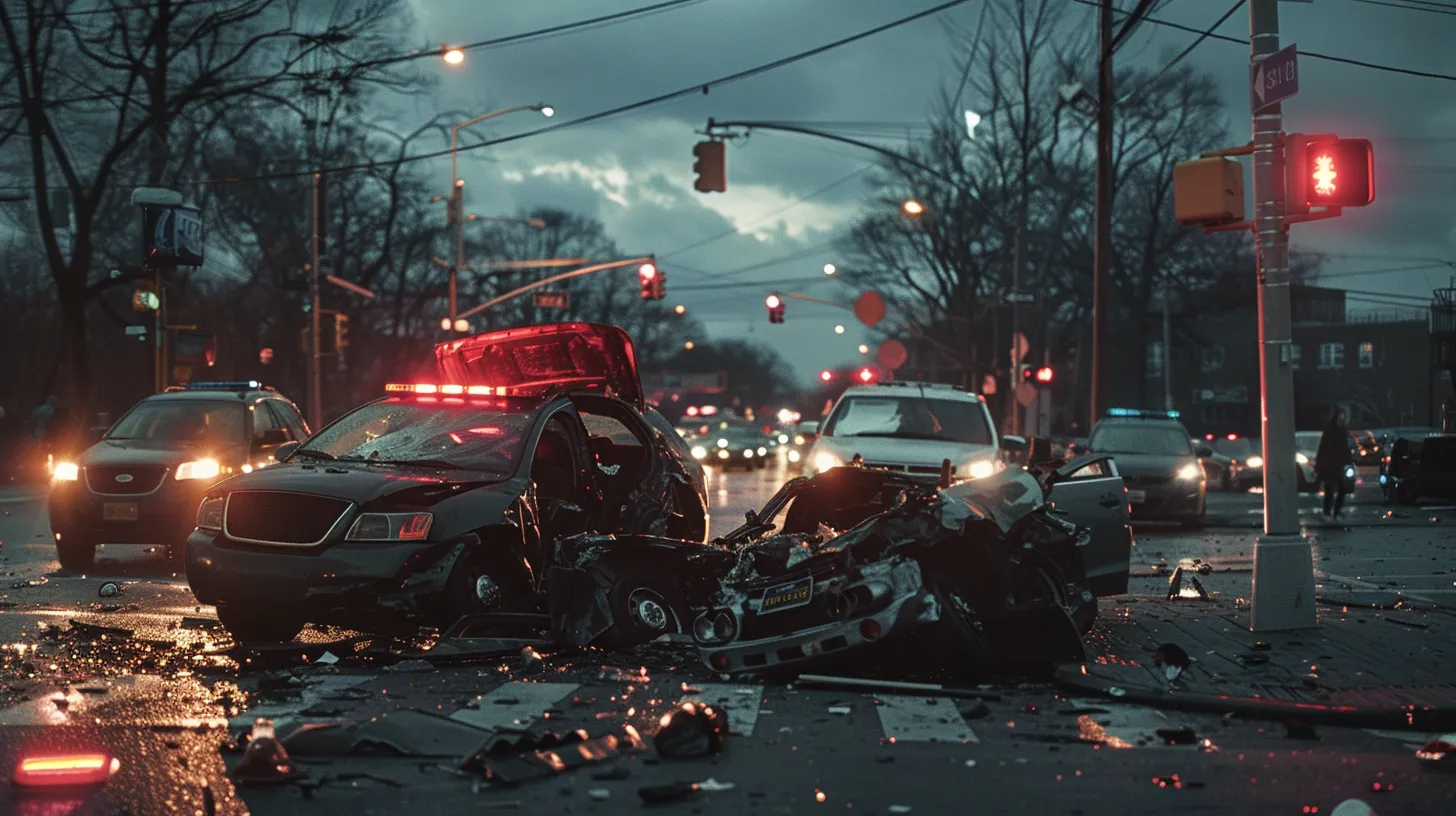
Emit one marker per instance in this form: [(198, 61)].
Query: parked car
[(1418, 463), (910, 428), (994, 570), (445, 499), (141, 483), (1158, 462)]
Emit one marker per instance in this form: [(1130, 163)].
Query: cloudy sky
[(789, 196)]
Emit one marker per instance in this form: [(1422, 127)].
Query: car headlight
[(390, 527), (783, 439), (762, 451), (748, 453), (1254, 462), (714, 628), (722, 443), (1301, 458), (66, 472), (798, 439), (794, 456), (982, 468), (198, 469), (1190, 473), (826, 461), (699, 452), (209, 513), (723, 454)]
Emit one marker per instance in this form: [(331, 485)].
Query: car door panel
[(1098, 502)]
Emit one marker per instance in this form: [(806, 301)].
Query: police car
[(1159, 464), (142, 482)]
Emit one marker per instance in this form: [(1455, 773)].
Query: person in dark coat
[(1330, 462)]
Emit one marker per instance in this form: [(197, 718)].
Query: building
[(1381, 367)]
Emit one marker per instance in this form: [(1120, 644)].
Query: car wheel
[(643, 609), (246, 627), (76, 554), (480, 584)]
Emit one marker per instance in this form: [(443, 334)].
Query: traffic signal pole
[(1283, 588), (315, 359), (1102, 240)]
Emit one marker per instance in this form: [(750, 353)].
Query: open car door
[(581, 357), (1089, 492)]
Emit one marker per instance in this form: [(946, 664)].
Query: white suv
[(911, 428)]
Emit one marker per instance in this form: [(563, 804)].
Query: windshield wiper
[(315, 454), (428, 463)]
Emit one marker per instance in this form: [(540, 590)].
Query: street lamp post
[(457, 189)]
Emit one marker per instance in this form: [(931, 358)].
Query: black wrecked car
[(994, 571), (442, 499)]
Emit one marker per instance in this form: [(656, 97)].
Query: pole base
[(1283, 594)]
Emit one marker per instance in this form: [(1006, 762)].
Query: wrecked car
[(442, 499), (998, 570)]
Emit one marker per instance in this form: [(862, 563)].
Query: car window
[(1238, 448), (182, 421), (403, 430), (265, 420), (910, 418), (610, 427), (675, 436), (1143, 439), (297, 430)]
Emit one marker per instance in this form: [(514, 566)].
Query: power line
[(1428, 9), (971, 56), (64, 13), (1238, 4), (1311, 54), (696, 88)]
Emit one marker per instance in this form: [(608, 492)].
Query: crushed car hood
[(360, 484)]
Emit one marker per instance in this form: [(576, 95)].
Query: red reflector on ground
[(869, 629), (76, 769)]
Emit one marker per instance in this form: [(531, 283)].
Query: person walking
[(1331, 461)]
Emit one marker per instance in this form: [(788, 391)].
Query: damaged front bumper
[(892, 599)]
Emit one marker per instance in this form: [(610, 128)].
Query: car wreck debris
[(507, 762), (692, 731), (265, 760)]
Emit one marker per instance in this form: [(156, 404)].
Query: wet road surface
[(148, 672)]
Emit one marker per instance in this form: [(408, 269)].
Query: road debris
[(1439, 752), (110, 589), (265, 760), (692, 731), (1173, 659), (508, 762)]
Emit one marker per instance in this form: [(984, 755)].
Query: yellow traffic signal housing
[(1208, 192), (710, 167)]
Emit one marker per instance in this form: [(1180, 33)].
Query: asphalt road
[(158, 674)]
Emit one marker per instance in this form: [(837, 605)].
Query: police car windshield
[(1143, 439), (487, 437), (182, 421), (910, 418)]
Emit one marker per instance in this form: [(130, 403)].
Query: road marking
[(1358, 583), (741, 702), (514, 705), (913, 719)]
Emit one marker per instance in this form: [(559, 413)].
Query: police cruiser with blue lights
[(142, 482), (1158, 462)]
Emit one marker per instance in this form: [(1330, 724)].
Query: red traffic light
[(773, 301), (647, 272), (826, 375), (866, 375), (1326, 171), (1044, 374)]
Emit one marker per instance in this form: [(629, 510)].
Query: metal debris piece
[(500, 765), (406, 732), (110, 589), (411, 666), (866, 684), (531, 660), (1439, 752), (839, 709), (326, 659), (691, 731), (1173, 659), (599, 794), (265, 761)]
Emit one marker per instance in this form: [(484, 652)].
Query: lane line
[(912, 719), (514, 705), (741, 702)]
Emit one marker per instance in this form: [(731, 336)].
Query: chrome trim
[(86, 475), (327, 534)]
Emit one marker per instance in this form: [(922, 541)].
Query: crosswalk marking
[(914, 719), (514, 705), (742, 703)]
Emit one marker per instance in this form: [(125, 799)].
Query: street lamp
[(452, 54), (457, 186), (830, 269), (680, 309), (688, 345), (839, 329), (864, 349), (913, 207)]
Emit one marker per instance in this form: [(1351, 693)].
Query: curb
[(1402, 718)]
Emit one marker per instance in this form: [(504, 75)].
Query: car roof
[(216, 396), (912, 389), (1166, 422)]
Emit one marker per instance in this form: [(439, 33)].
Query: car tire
[(249, 628), (75, 553), (463, 595), (643, 608)]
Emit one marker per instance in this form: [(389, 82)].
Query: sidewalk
[(1363, 667)]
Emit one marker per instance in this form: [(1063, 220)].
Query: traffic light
[(1026, 374), (826, 375), (341, 331), (775, 306), (712, 175), (653, 282), (144, 297), (1044, 375), (1327, 171)]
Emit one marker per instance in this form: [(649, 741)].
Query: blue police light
[(1141, 414), (232, 386)]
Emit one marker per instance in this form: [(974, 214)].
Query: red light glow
[(865, 375), (826, 375), (415, 527), (647, 271), (692, 410), (773, 301), (1044, 374), (1231, 437), (486, 430), (71, 770), (1208, 437), (1324, 175)]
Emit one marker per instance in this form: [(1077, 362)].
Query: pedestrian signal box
[(1327, 171)]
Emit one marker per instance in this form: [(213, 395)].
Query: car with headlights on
[(729, 443), (1159, 464), (907, 427), (140, 484), (445, 499)]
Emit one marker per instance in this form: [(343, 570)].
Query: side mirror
[(1203, 451), (808, 428), (285, 450)]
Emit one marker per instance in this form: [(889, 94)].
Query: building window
[(1367, 355), (1294, 354), (1332, 355), (1155, 359), (1212, 358)]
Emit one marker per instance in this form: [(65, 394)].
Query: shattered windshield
[(1141, 439), (480, 436), (910, 418)]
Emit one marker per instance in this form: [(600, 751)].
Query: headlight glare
[(1254, 462), (981, 468), (699, 451), (826, 461), (390, 527), (1301, 458), (1190, 473), (209, 513), (198, 469), (66, 472)]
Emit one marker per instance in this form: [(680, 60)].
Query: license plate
[(787, 596), (1137, 496), (119, 511)]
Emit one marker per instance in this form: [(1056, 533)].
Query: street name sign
[(551, 300), (1274, 78)]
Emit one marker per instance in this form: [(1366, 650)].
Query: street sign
[(352, 287), (171, 236), (1020, 297), (1274, 78), (551, 299), (134, 330)]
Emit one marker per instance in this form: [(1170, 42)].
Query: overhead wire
[(1203, 35), (1447, 11)]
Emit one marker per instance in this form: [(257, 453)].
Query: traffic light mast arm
[(575, 273)]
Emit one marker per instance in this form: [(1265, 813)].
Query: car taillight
[(69, 770)]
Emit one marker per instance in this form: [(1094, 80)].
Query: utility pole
[(1167, 352), (1283, 592), (1102, 245), (315, 367), (1013, 379), (159, 334)]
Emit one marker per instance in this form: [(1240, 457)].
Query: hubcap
[(487, 593), (647, 608)]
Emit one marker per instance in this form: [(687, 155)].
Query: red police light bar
[(1231, 437), (773, 301), (865, 375), (1044, 374), (647, 271), (692, 410), (70, 770), (429, 388), (826, 375)]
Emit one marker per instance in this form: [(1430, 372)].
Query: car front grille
[(929, 469), (124, 480), (281, 519)]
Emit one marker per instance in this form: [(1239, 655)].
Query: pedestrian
[(1330, 462)]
